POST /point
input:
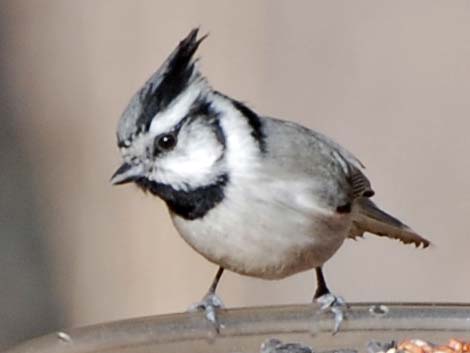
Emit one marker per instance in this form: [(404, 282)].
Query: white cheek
[(195, 166)]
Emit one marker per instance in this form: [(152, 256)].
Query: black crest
[(170, 80)]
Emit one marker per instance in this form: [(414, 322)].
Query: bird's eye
[(165, 142)]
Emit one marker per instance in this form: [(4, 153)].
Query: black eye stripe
[(178, 126)]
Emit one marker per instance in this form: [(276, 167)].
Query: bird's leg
[(329, 301), (211, 302), (322, 288)]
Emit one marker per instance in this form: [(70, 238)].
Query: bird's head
[(173, 134), (170, 133)]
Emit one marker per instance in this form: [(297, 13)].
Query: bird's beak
[(126, 173)]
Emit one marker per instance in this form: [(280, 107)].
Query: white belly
[(272, 235)]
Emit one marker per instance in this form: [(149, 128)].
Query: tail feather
[(369, 218)]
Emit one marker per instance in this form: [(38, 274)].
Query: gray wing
[(299, 152)]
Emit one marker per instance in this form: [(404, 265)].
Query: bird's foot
[(209, 304), (337, 305)]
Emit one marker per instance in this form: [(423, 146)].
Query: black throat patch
[(192, 204)]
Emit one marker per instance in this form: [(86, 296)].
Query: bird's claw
[(209, 304), (337, 305)]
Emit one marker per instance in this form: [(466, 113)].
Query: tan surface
[(245, 330), (389, 80)]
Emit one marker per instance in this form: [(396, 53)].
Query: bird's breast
[(265, 234)]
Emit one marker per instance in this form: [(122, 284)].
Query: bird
[(255, 195)]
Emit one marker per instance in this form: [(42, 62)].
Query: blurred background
[(388, 80)]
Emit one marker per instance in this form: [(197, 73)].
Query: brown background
[(390, 80)]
